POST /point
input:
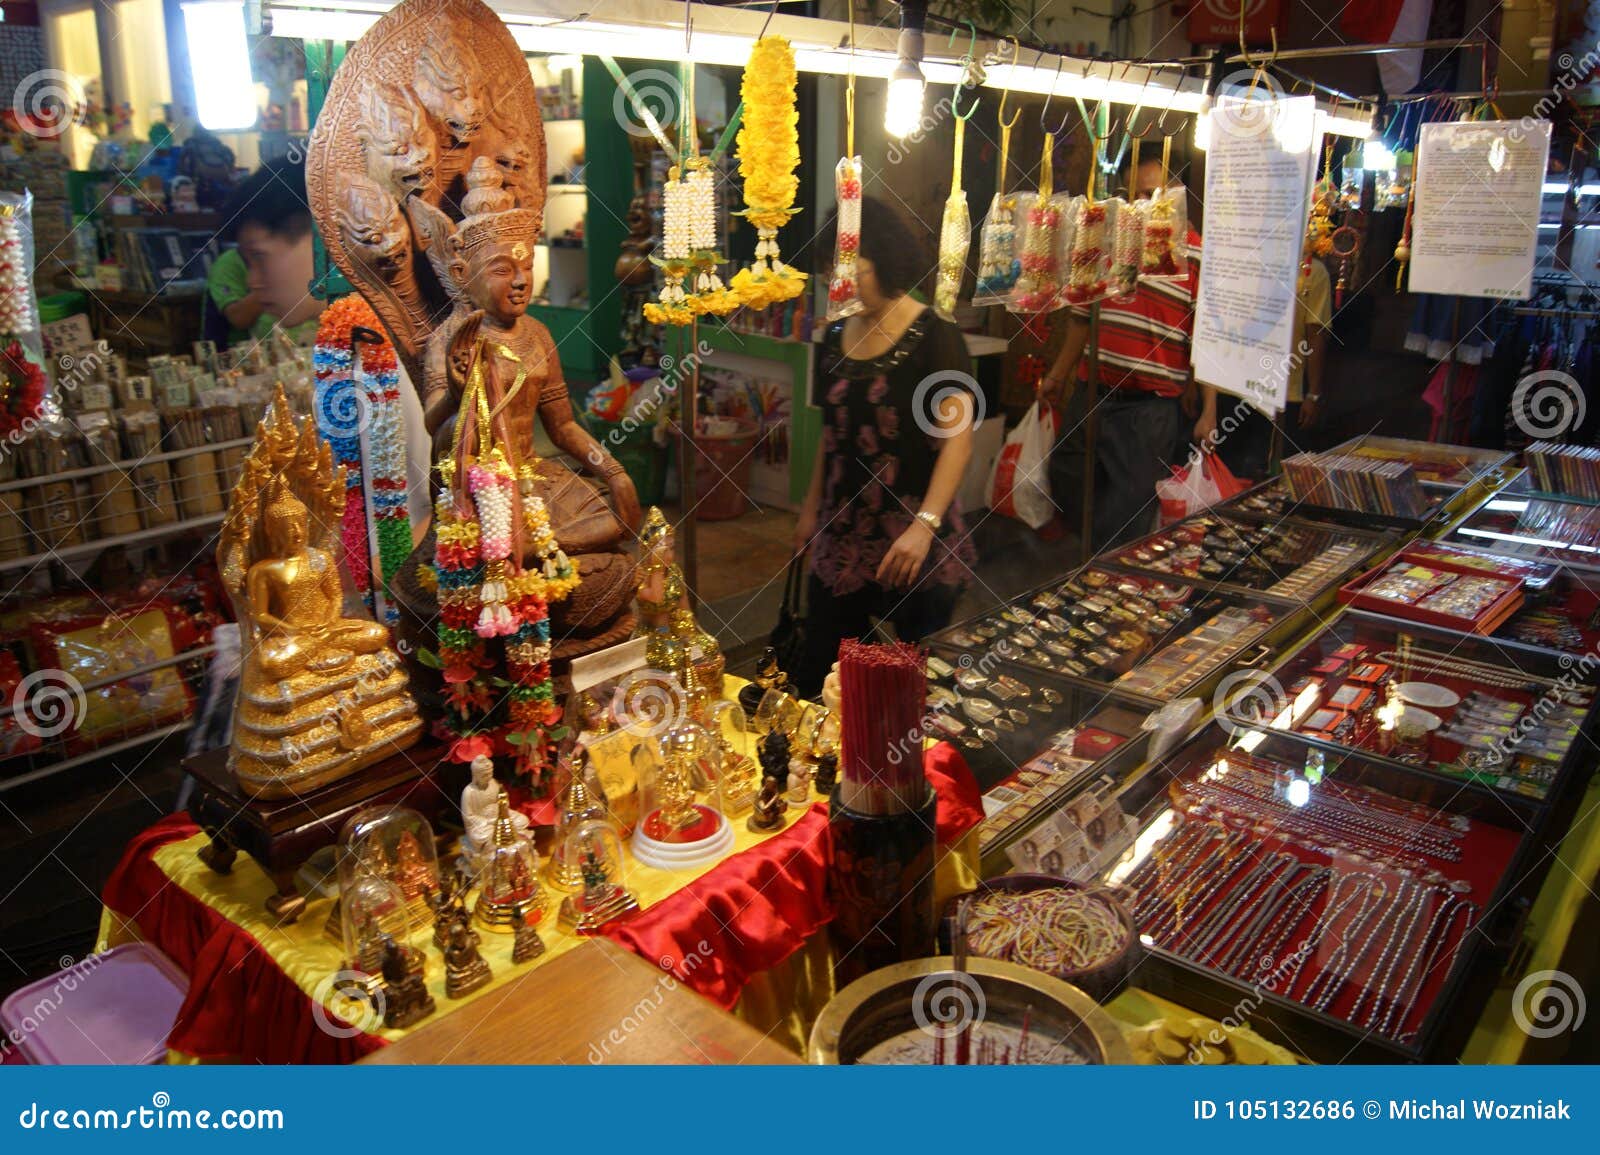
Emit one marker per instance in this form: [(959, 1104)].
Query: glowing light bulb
[(219, 56), (1299, 792), (1202, 126), (902, 112)]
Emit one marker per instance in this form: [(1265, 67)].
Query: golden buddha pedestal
[(321, 695)]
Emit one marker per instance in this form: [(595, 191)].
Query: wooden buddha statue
[(435, 110)]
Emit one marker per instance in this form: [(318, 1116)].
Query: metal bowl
[(905, 997)]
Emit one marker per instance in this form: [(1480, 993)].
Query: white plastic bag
[(1189, 490), (1019, 484)]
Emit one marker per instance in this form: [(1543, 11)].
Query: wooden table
[(596, 1004)]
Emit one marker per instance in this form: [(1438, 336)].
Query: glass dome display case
[(597, 849), (678, 830)]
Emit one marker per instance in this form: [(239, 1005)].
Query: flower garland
[(689, 250), (486, 596), (17, 310), (339, 414), (23, 385), (387, 487), (769, 152)]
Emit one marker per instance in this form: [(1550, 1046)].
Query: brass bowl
[(885, 1004)]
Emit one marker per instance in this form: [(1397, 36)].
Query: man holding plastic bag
[(1144, 370)]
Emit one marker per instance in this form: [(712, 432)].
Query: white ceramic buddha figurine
[(480, 805)]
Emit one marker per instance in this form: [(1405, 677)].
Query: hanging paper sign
[(1475, 224), (1259, 168)]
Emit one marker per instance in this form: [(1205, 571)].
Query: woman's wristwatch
[(930, 519)]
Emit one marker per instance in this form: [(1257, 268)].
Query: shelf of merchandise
[(136, 537)]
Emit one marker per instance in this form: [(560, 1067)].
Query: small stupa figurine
[(768, 677), (464, 968), (601, 900), (509, 892), (580, 806), (769, 806), (527, 945), (701, 650), (405, 995), (827, 776)]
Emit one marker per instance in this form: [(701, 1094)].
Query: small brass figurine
[(464, 968), (769, 806), (580, 805), (321, 696), (799, 784), (769, 676), (405, 995), (510, 892), (527, 945), (827, 773)]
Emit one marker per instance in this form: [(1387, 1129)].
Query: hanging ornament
[(1038, 288), (769, 152), (955, 236), (843, 298), (999, 264), (1127, 245), (1166, 228)]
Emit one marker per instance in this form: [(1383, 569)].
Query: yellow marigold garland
[(769, 152)]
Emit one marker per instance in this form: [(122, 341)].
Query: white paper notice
[(1475, 225), (1259, 169)]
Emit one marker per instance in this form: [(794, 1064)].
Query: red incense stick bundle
[(881, 694)]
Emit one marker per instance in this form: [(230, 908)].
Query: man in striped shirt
[(1144, 371)]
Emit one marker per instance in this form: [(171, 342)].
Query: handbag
[(788, 637)]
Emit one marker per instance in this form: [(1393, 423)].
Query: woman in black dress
[(886, 540)]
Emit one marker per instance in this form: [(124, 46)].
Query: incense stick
[(881, 691)]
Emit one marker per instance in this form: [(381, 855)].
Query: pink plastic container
[(116, 1008)]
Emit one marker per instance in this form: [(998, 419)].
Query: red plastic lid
[(113, 1008)]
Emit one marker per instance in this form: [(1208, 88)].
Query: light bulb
[(1299, 792), (1202, 126), (902, 112), (1377, 157)]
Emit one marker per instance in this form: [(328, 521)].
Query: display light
[(902, 110), (219, 61)]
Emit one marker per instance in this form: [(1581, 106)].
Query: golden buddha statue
[(454, 299), (321, 695), (661, 588)]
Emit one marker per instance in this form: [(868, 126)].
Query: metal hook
[(966, 66), (1051, 95), (1016, 51)]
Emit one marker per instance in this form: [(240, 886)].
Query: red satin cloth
[(240, 1004), (748, 914), (760, 906)]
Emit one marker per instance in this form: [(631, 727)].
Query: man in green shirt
[(269, 218)]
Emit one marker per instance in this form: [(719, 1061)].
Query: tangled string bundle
[(1056, 931)]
